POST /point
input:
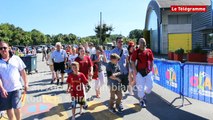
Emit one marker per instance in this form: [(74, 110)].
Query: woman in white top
[(50, 63), (72, 56), (71, 59)]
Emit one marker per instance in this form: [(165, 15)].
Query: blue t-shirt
[(59, 56), (122, 62)]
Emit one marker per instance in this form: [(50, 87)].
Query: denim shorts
[(13, 100)]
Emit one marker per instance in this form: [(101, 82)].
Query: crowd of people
[(84, 64)]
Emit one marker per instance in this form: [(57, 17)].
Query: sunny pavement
[(46, 101)]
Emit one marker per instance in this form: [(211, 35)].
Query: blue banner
[(198, 80), (168, 74), (155, 70)]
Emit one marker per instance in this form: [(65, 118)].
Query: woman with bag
[(98, 60)]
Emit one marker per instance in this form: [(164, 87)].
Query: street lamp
[(100, 27)]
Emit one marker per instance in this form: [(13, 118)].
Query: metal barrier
[(192, 80), (198, 79), (168, 74)]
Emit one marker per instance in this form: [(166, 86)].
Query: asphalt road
[(46, 101)]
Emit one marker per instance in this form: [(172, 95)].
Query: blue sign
[(168, 74), (198, 81)]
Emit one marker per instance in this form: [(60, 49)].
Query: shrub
[(179, 51)]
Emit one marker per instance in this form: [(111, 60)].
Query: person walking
[(71, 58), (99, 59), (50, 64), (85, 67), (142, 72), (85, 63), (75, 81), (114, 83), (122, 62), (91, 49), (131, 49), (59, 58), (73, 55), (12, 70), (44, 53)]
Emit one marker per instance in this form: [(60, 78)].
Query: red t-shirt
[(144, 58), (84, 65), (69, 51), (76, 82)]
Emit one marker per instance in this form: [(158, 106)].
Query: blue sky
[(74, 16)]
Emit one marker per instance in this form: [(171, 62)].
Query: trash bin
[(31, 63)]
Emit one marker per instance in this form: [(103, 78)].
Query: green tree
[(49, 39), (136, 34), (71, 38), (38, 37), (146, 34), (59, 38), (103, 32)]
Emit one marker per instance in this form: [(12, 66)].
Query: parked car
[(39, 48), (21, 48)]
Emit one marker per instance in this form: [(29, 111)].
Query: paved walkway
[(46, 102)]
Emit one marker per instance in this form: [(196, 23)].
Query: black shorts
[(59, 67)]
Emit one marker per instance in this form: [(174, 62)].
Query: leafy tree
[(103, 32), (71, 38), (49, 39), (37, 37), (136, 34), (147, 37), (59, 38)]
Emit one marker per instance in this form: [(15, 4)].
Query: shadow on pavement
[(41, 81), (161, 108), (42, 86), (50, 92)]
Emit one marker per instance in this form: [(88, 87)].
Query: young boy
[(75, 82), (114, 83)]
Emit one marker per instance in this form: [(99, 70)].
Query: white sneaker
[(2, 114)]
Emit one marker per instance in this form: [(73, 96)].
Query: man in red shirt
[(142, 70)]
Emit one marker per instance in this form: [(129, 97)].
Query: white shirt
[(72, 57), (59, 56), (10, 73), (92, 50)]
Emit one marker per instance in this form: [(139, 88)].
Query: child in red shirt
[(76, 81)]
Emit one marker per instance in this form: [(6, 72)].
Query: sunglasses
[(3, 48)]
